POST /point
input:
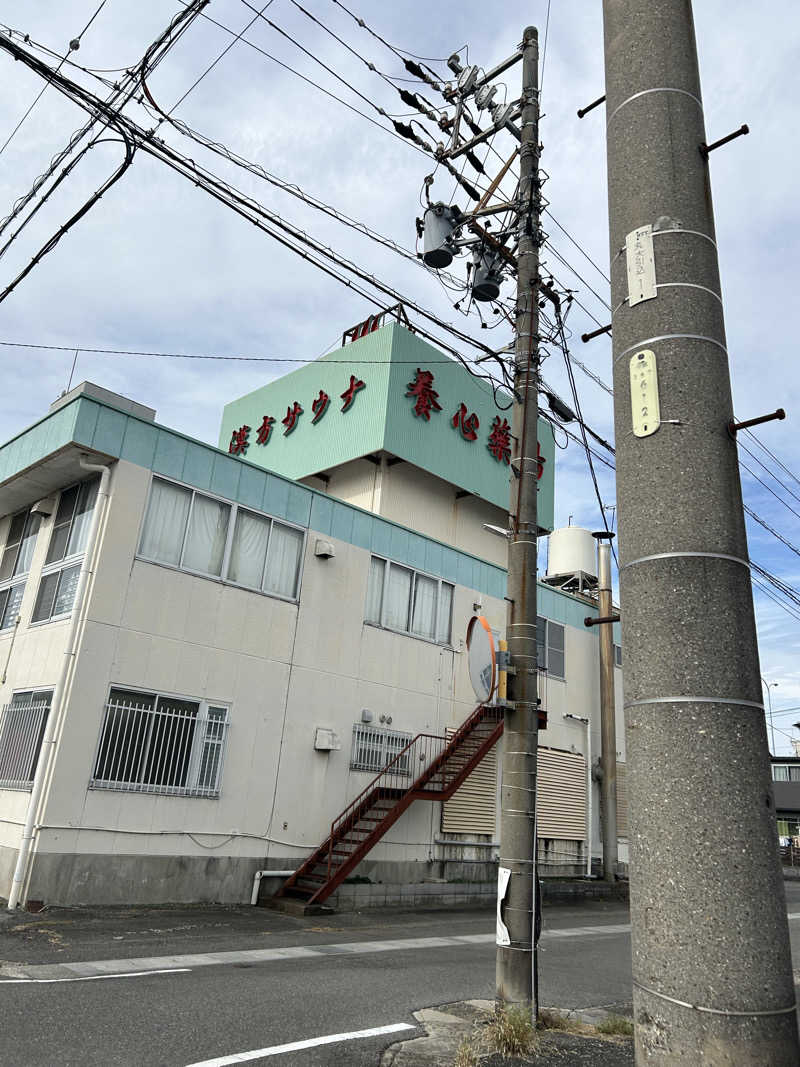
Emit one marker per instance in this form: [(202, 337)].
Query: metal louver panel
[(561, 795), (622, 800), (473, 808)]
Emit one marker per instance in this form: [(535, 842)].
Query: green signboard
[(388, 391)]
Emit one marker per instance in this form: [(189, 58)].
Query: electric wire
[(392, 48), (772, 455), (762, 522), (544, 50), (761, 481), (752, 455)]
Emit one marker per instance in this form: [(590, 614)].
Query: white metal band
[(671, 337), (695, 700), (677, 229), (713, 1011), (646, 92), (679, 555), (674, 285)]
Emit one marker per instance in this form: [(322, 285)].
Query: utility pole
[(608, 724), (516, 963), (712, 972)]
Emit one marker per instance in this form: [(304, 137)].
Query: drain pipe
[(264, 874), (588, 725), (56, 703)]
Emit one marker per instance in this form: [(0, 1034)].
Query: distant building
[(786, 786), (260, 627)]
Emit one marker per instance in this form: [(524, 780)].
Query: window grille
[(550, 650), (204, 535), (62, 570), (15, 564), (408, 601), (159, 744), (374, 748), (22, 726)]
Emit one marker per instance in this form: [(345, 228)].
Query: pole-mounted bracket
[(706, 148), (734, 427), (595, 333), (601, 620), (590, 107)]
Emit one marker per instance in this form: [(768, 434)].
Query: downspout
[(587, 723), (53, 719)]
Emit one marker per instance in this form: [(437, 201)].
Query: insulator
[(440, 222)]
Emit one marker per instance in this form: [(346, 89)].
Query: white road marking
[(92, 977), (296, 1046)]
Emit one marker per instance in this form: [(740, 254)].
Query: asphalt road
[(303, 979)]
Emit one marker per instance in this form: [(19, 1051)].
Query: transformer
[(439, 222), (487, 275)]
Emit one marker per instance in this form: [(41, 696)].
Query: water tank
[(572, 554)]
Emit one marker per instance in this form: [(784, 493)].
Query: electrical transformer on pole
[(712, 973)]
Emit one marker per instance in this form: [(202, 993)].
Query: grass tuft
[(616, 1024), (466, 1056), (511, 1032), (551, 1020)]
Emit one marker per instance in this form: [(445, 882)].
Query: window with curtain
[(15, 563), (62, 569), (550, 649), (195, 532), (408, 601)]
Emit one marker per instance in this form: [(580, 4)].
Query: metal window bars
[(151, 747), (21, 731)]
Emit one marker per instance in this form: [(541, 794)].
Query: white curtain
[(165, 523), (205, 542), (249, 549), (398, 596), (423, 616), (283, 560), (83, 513), (67, 587), (444, 613), (377, 567), (12, 605), (27, 545)]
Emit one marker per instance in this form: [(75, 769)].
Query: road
[(199, 986)]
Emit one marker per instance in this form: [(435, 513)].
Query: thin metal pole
[(516, 963), (769, 686), (608, 724), (712, 972)]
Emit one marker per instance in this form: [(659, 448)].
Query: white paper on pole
[(503, 876), (641, 265)]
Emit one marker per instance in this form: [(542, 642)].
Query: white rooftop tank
[(572, 558)]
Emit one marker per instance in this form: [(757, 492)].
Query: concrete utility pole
[(712, 974), (608, 723), (516, 963)]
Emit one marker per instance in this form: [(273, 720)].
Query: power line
[(783, 466), (761, 522), (761, 481), (752, 455)]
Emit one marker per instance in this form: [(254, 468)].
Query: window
[(407, 601), (15, 564), (618, 655), (550, 647), (62, 569), (158, 744), (22, 726), (374, 748), (786, 772), (198, 533)]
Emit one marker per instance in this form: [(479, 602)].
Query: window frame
[(547, 647), (195, 760), (414, 571), (67, 561), (16, 580), (222, 578), (383, 733), (36, 693)]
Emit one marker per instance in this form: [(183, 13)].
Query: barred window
[(22, 726), (550, 647), (15, 564), (62, 570), (198, 533), (618, 655), (151, 743), (408, 601), (374, 747)]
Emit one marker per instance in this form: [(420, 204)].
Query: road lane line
[(92, 977), (296, 1046)]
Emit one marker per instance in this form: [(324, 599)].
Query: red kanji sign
[(320, 405), (264, 430), (500, 440), (349, 394), (426, 395), (240, 441), (468, 424), (292, 415)]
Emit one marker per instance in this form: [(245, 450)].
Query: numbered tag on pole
[(645, 410)]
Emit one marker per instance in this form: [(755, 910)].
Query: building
[(209, 652), (786, 786)]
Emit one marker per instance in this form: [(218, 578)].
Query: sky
[(157, 265)]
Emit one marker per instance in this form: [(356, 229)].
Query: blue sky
[(157, 265)]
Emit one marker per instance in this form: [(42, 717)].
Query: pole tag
[(641, 265), (645, 410)]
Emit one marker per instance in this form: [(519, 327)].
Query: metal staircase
[(428, 768)]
